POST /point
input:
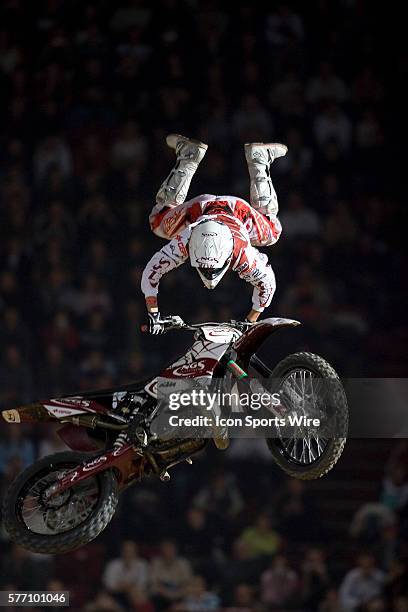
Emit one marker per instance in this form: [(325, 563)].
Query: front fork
[(244, 379)]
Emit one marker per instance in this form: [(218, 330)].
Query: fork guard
[(256, 335)]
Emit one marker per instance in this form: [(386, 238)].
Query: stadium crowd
[(88, 91)]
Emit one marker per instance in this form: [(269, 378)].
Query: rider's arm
[(254, 268), (168, 258)]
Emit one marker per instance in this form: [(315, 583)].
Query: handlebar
[(176, 322)]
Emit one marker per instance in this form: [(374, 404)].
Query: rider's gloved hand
[(242, 325), (156, 326)]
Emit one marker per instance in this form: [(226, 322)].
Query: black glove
[(242, 325), (155, 324)]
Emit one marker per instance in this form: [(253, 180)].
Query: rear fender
[(32, 413), (53, 410), (256, 335)]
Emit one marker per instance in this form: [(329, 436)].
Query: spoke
[(63, 512), (306, 394)]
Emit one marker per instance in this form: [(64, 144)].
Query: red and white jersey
[(167, 222), (243, 221)]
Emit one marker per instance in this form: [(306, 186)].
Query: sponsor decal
[(191, 370), (170, 222), (11, 416), (117, 398), (120, 451), (94, 464), (76, 400), (219, 335), (188, 369), (151, 387), (181, 246), (207, 260), (241, 268), (219, 331), (60, 411)]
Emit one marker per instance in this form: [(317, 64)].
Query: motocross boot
[(259, 157), (174, 189)]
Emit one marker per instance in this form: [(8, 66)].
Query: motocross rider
[(216, 233)]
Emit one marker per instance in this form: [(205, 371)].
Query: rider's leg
[(259, 157), (174, 189)]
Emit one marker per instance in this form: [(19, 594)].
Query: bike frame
[(205, 357)]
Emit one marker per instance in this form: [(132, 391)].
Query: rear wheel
[(63, 522), (309, 387)]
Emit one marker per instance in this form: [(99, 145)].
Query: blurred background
[(88, 91)]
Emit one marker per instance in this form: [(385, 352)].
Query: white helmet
[(211, 245)]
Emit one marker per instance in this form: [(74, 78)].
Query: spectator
[(298, 219), (170, 576), (244, 599), (53, 151), (103, 602), (284, 26), (221, 498), (279, 583), (16, 445), (251, 121), (198, 537), (139, 600), (341, 229), (96, 371), (130, 147), (326, 87), (260, 538), (126, 572), (240, 567), (92, 296), (362, 583), (308, 298), (198, 598), (15, 378), (333, 124), (314, 578), (62, 332), (25, 570), (331, 602), (294, 507), (395, 487)]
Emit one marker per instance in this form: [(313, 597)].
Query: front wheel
[(310, 387), (63, 522)]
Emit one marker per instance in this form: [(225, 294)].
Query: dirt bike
[(65, 500)]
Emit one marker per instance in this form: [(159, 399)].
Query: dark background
[(88, 92)]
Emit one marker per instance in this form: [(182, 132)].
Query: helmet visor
[(212, 273)]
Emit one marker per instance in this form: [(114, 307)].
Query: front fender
[(252, 339)]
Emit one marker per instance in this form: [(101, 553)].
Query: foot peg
[(221, 442)]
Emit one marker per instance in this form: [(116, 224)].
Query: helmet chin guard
[(210, 246)]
